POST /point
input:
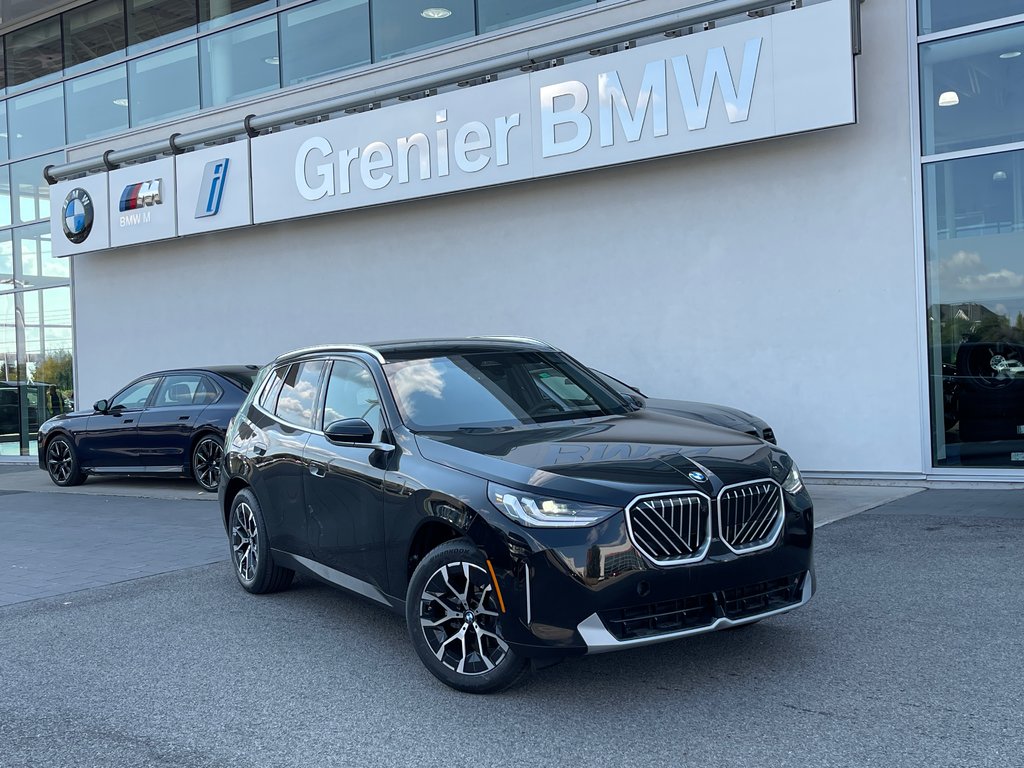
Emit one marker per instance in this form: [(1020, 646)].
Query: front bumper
[(579, 591)]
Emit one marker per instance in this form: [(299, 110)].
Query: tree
[(56, 368)]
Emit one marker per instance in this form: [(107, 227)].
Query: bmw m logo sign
[(78, 215), (142, 194)]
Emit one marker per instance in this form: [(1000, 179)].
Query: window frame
[(316, 399), (326, 382)]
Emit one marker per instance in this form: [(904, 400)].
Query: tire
[(451, 610), (62, 463), (206, 459), (250, 548)]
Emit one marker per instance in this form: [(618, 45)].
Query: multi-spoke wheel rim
[(59, 461), (245, 541), (459, 617), (206, 464)]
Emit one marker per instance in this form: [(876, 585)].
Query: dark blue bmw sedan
[(164, 423)]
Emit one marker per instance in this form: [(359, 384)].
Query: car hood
[(608, 460), (721, 415)]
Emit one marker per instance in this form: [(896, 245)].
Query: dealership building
[(813, 211)]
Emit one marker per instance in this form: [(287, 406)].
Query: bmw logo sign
[(78, 215), (698, 477)]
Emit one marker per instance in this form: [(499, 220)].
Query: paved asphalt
[(909, 655)]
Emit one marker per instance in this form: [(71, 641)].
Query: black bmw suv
[(509, 502)]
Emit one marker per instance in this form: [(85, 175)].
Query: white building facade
[(812, 212)]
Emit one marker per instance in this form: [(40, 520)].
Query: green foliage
[(56, 368)]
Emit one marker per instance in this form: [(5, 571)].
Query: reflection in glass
[(324, 37), (3, 130), (31, 192), (972, 90), (164, 85), (937, 15), (6, 262), (3, 70), (36, 266), (94, 34), (495, 14), (34, 52), (97, 104), (239, 62), (216, 13), (400, 26), (5, 196), (36, 121), (974, 239), (155, 22)]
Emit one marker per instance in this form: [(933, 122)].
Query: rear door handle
[(317, 470), (128, 421), (184, 418)]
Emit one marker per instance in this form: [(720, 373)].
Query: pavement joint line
[(860, 508)]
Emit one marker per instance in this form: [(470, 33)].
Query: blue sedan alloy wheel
[(206, 460), (61, 463)]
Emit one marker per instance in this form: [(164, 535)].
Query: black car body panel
[(146, 438), (363, 516)]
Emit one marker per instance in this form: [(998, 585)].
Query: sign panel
[(78, 218), (141, 203), (785, 73), (213, 188)]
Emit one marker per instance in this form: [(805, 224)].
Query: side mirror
[(633, 400), (100, 406), (349, 431)]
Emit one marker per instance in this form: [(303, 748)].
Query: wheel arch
[(234, 487), (431, 533)]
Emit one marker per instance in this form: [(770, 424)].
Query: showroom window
[(495, 14), (164, 85), (239, 63), (938, 15), (401, 27), (34, 52), (972, 123), (157, 22), (94, 34), (35, 121), (97, 104), (324, 37), (217, 13)]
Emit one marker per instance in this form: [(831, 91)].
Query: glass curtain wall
[(972, 126)]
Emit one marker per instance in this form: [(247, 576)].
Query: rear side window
[(297, 402), (177, 390), (269, 395)]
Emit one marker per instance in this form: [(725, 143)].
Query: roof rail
[(523, 339), (332, 347)]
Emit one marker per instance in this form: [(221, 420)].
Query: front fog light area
[(542, 512)]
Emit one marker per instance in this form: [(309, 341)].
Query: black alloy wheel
[(453, 614), (250, 550), (62, 463), (206, 459)]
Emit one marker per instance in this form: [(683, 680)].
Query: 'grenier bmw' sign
[(781, 74)]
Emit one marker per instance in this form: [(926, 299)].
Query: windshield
[(497, 389)]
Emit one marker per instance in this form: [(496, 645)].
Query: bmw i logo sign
[(698, 477), (78, 215)]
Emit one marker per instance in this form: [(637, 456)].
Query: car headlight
[(793, 482), (541, 512)]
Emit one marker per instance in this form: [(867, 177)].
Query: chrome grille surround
[(670, 528), (750, 515)]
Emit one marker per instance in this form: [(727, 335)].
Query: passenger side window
[(136, 395), (352, 394), (297, 400), (177, 390)]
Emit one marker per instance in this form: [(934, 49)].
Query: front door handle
[(259, 450), (128, 421), (184, 418), (317, 470)]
